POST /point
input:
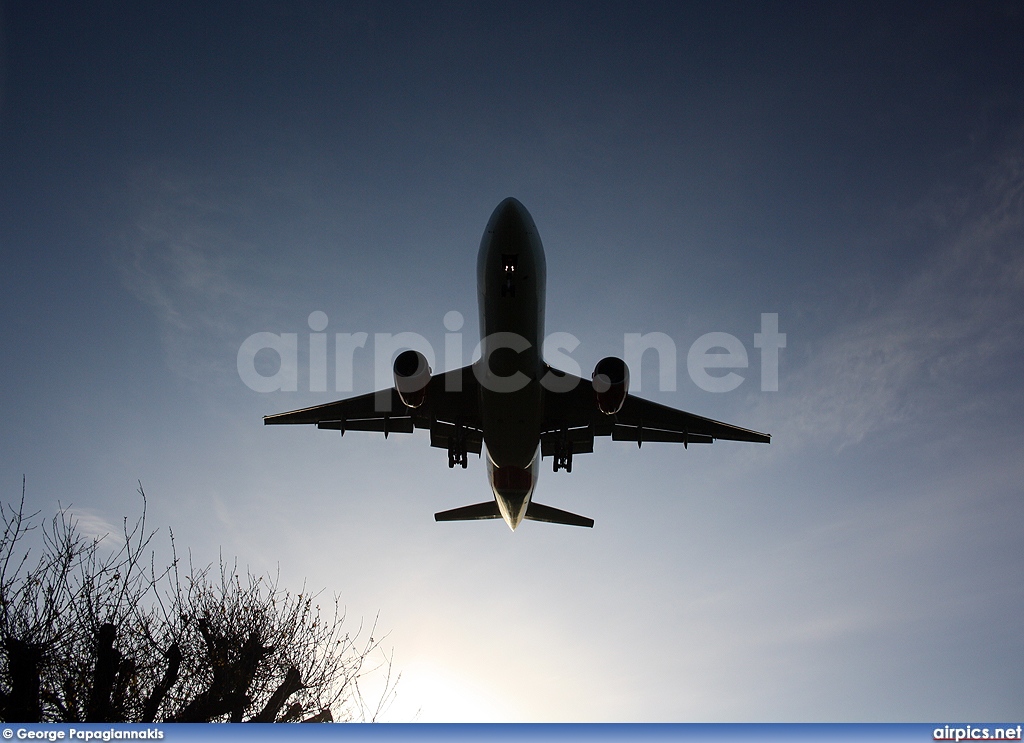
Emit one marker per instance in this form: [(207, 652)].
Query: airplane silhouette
[(510, 402)]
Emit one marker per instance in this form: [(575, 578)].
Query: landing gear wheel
[(457, 454)]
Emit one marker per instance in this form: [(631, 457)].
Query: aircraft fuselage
[(511, 280)]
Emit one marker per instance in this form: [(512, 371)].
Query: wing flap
[(642, 434), (389, 424)]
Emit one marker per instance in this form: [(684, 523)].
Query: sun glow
[(427, 693)]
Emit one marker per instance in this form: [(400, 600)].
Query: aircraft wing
[(572, 416), (451, 408)]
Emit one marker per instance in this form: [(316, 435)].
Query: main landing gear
[(457, 452), (562, 461), (563, 454)]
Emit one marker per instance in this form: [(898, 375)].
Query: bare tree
[(101, 635)]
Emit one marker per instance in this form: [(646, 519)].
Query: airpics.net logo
[(968, 732), (715, 362)]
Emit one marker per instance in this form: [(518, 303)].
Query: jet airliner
[(510, 403)]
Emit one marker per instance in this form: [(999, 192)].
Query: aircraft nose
[(510, 216)]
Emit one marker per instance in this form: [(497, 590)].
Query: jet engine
[(611, 383), (411, 377)]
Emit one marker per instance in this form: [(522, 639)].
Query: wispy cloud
[(945, 344), (183, 256), (93, 525)]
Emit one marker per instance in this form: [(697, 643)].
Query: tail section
[(534, 512)]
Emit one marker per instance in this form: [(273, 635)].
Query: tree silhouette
[(94, 633)]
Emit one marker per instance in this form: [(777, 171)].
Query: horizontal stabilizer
[(537, 512), (477, 511)]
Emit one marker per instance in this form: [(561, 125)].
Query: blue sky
[(174, 180)]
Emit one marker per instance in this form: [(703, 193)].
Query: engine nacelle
[(411, 377), (611, 383)]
